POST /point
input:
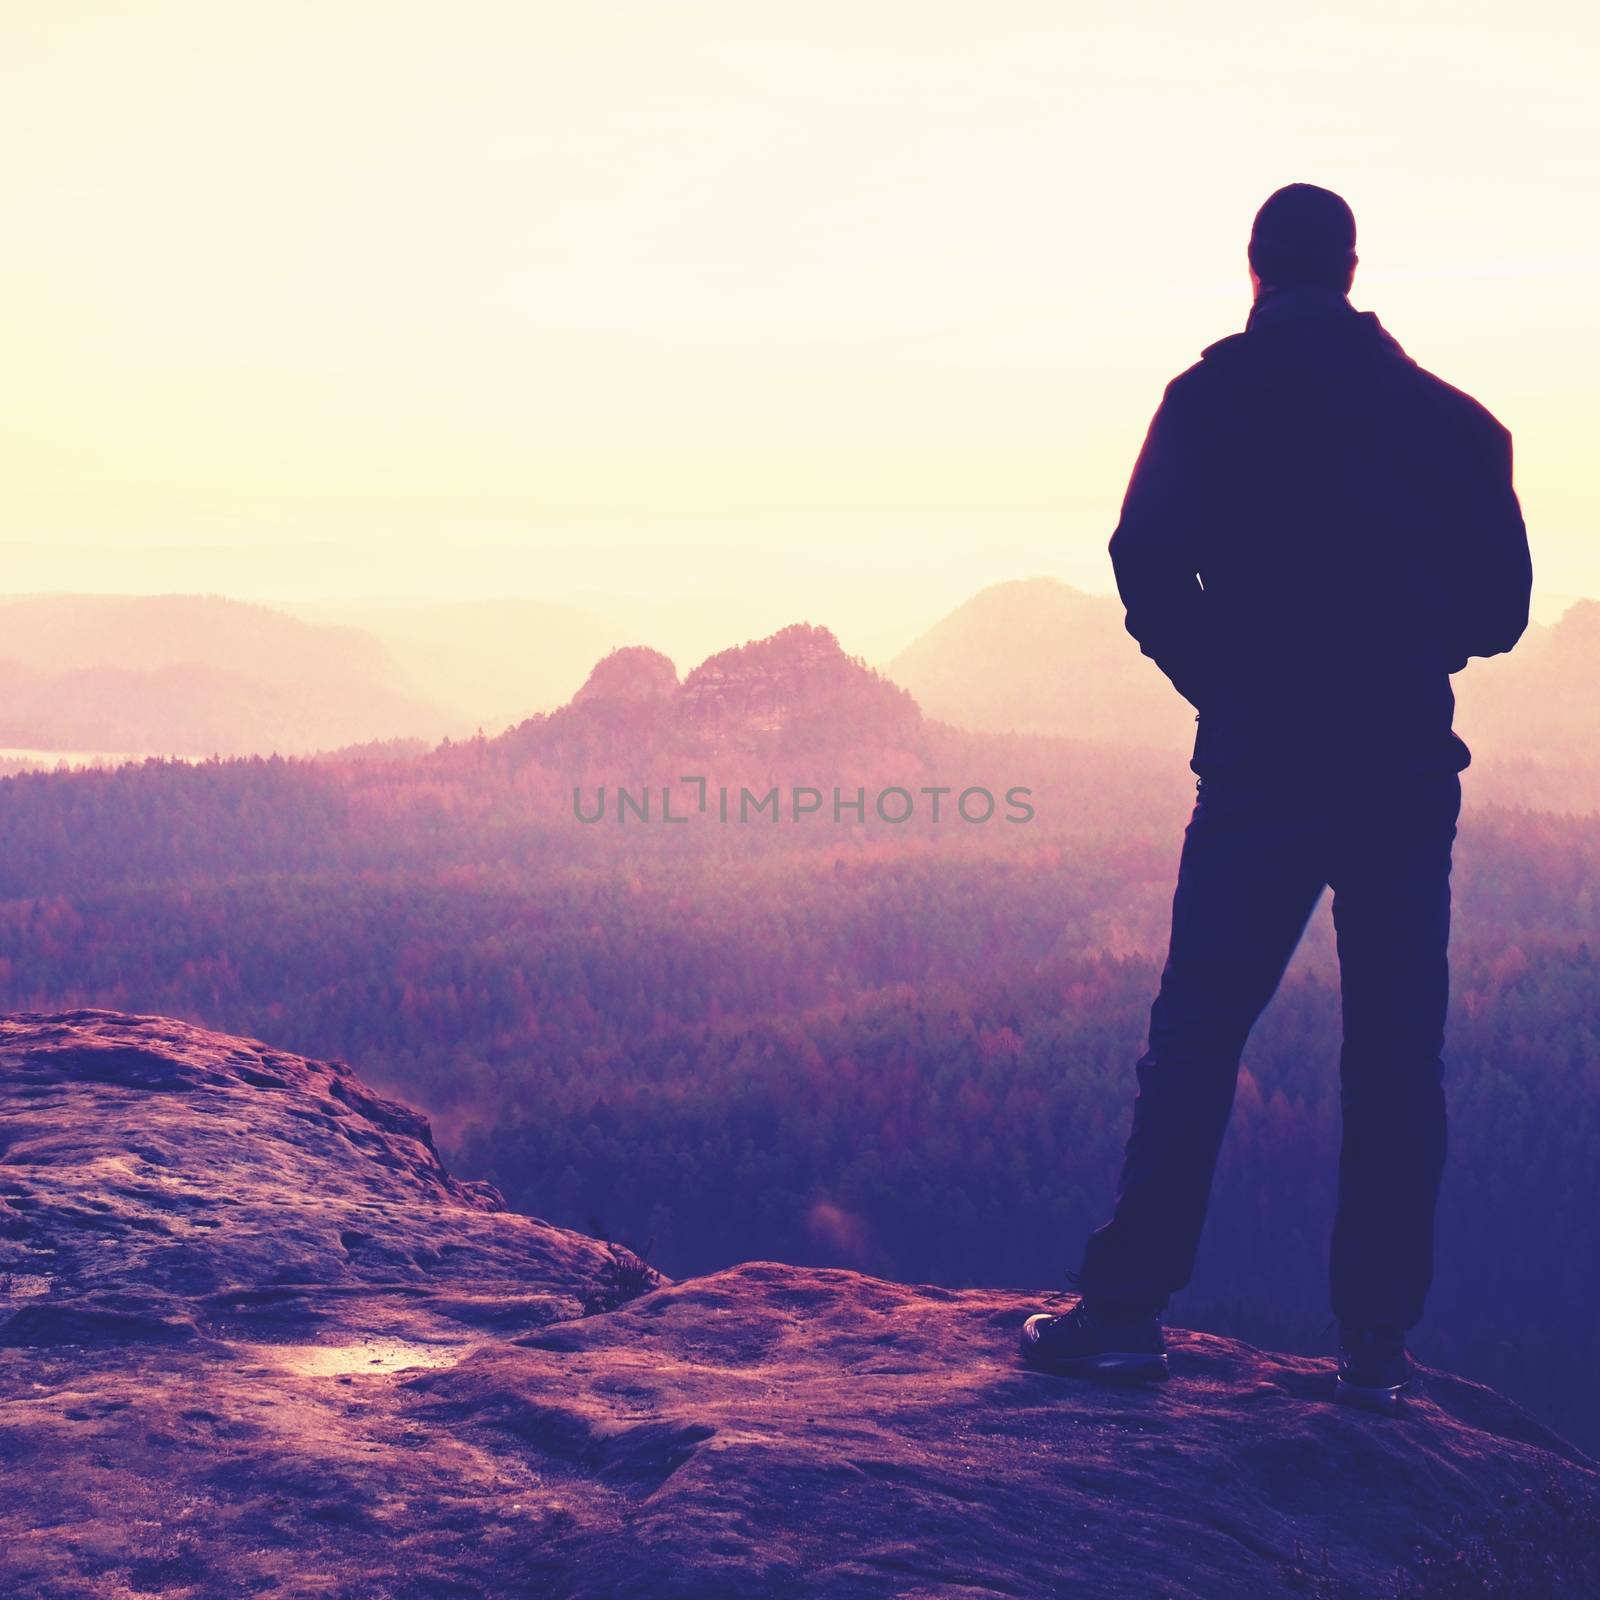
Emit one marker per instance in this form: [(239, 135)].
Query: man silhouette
[(1316, 535)]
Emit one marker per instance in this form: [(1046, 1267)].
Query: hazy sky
[(851, 307)]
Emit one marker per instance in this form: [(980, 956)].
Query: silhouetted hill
[(1036, 656), (794, 690), (793, 697), (194, 675), (634, 676), (254, 1339)]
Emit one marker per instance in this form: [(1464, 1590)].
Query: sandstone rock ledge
[(254, 1340)]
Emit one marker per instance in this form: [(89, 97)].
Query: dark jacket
[(1316, 535)]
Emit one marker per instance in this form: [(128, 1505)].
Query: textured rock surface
[(255, 1341), (157, 1181)]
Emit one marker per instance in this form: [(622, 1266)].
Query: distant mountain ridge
[(194, 675), (1038, 656), (64, 632)]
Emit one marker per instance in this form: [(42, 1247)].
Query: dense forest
[(907, 1049)]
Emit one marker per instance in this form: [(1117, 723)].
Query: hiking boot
[(1083, 1343), (1374, 1369)]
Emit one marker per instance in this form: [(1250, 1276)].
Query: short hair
[(1303, 237)]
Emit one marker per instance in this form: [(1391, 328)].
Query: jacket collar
[(1319, 311), (1278, 306)]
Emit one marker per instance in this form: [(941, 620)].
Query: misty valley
[(899, 1047)]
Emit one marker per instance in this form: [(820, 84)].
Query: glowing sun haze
[(842, 309)]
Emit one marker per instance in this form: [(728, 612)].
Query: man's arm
[(1155, 551), (1494, 570)]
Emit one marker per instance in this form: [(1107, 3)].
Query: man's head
[(1304, 237)]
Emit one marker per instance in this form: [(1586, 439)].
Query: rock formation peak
[(633, 673)]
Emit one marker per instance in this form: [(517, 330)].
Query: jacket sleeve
[(1494, 573), (1155, 550)]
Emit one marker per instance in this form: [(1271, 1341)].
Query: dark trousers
[(1256, 858)]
